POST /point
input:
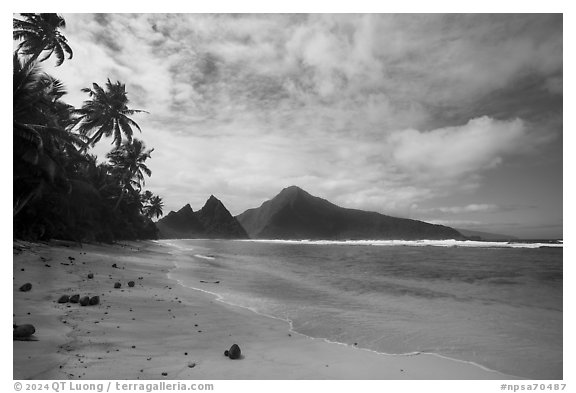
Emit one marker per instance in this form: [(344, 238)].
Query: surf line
[(219, 298)]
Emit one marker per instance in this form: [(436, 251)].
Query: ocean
[(494, 304)]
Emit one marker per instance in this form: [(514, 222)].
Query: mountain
[(477, 235), (295, 214), (213, 221)]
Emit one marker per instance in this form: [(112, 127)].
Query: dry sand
[(161, 327)]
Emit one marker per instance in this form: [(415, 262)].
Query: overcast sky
[(453, 119)]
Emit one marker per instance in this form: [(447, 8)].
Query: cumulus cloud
[(452, 152)]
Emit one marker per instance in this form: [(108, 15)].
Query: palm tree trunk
[(20, 203)]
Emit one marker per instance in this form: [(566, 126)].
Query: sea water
[(495, 304)]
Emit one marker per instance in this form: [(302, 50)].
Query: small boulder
[(114, 265), (94, 300), (90, 275), (117, 285), (23, 332), (64, 299), (74, 298), (84, 301), (234, 352), (131, 284), (26, 287), (226, 353)]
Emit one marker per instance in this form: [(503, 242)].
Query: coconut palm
[(152, 205), (39, 33), (39, 135), (106, 114), (128, 162)]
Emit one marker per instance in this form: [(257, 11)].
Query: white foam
[(412, 243), (204, 257)]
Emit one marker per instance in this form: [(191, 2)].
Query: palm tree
[(128, 162), (106, 114), (151, 205), (39, 33), (39, 136), (154, 209)]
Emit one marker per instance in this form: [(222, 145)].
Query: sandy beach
[(159, 329)]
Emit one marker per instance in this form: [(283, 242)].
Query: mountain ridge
[(213, 221), (296, 214)]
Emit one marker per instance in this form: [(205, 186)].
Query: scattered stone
[(226, 353), (114, 265), (71, 258), (131, 284), (165, 374), (94, 300), (23, 332), (26, 287), (84, 301), (74, 298), (64, 299), (90, 275), (117, 285), (234, 352), (47, 265)]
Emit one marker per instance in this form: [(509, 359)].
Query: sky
[(448, 118)]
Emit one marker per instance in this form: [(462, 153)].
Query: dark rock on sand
[(94, 300), (131, 284), (117, 285), (74, 298), (114, 265), (90, 275), (234, 352), (85, 301), (64, 299), (23, 332), (26, 287), (226, 353)]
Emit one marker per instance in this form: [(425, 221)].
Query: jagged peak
[(186, 208), (213, 203)]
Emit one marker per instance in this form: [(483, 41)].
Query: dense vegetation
[(60, 189)]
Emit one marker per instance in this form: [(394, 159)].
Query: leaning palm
[(39, 135), (39, 33), (106, 114)]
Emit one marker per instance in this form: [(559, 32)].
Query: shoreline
[(163, 326), (289, 322)]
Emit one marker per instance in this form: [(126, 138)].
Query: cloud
[(471, 208), (450, 153)]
